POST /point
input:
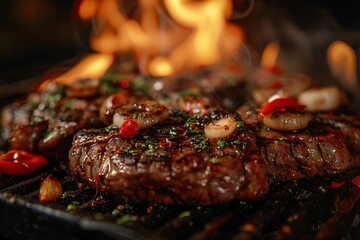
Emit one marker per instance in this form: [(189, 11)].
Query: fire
[(169, 36), (92, 66), (269, 56), (87, 9), (342, 61)]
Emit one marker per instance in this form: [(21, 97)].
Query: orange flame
[(87, 9), (269, 56), (342, 61), (184, 35), (92, 66)]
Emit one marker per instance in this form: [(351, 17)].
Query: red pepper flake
[(163, 143), (356, 181), (16, 162), (128, 129), (336, 185), (226, 128)]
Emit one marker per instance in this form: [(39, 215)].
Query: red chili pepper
[(335, 185), (280, 103), (356, 181), (16, 162), (128, 129), (276, 70)]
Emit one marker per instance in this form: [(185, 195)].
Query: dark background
[(37, 35)]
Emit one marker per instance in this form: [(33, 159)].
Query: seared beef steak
[(46, 121), (171, 163), (304, 154), (319, 149)]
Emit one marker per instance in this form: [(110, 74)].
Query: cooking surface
[(303, 210), (315, 208)]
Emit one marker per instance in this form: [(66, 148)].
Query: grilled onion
[(50, 189), (221, 128), (287, 121), (146, 113), (110, 104), (321, 99)]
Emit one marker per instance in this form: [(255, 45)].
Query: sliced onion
[(286, 121), (221, 128), (145, 114), (321, 99), (110, 104)]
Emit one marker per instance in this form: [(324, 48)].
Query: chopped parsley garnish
[(282, 138), (221, 144), (201, 143), (212, 160)]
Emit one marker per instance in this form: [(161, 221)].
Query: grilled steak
[(171, 162), (45, 122), (319, 149), (47, 119)]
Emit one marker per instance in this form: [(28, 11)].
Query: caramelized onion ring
[(321, 99), (221, 128), (287, 121), (112, 103), (145, 113)]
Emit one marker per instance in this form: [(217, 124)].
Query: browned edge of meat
[(171, 163)]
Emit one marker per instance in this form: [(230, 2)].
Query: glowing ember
[(342, 61), (185, 35)]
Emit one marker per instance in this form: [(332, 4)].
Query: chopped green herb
[(185, 214), (282, 138), (237, 142), (116, 212), (126, 218), (264, 127), (188, 93), (65, 194), (201, 143), (221, 144), (215, 160), (98, 216), (239, 124), (172, 132), (72, 206)]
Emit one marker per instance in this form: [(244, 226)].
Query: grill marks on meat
[(346, 121), (170, 164), (304, 155), (323, 148), (173, 163)]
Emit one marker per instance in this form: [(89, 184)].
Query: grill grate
[(308, 209)]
